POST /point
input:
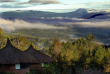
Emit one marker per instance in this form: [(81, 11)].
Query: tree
[(91, 43), (107, 61), (108, 56), (69, 57), (100, 54), (69, 52), (20, 42), (3, 38), (57, 47), (82, 54), (90, 37)]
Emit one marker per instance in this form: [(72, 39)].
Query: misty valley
[(65, 26), (76, 42), (102, 34)]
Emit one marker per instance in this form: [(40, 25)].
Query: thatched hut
[(15, 60), (41, 57), (20, 62)]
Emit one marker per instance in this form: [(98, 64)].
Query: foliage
[(55, 48), (44, 71), (69, 52), (108, 56), (3, 38), (40, 33), (20, 42), (100, 54), (47, 71), (83, 53)]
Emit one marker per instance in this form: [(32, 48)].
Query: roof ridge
[(9, 43)]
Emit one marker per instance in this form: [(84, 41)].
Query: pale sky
[(53, 5)]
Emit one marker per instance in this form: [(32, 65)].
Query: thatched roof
[(38, 55), (11, 55)]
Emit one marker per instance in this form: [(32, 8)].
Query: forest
[(68, 57)]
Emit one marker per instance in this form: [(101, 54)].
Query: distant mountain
[(79, 13)]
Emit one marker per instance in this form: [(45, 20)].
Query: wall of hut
[(11, 69), (36, 66)]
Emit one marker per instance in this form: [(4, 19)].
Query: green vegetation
[(68, 57), (81, 54), (3, 38), (19, 42), (43, 38), (41, 33)]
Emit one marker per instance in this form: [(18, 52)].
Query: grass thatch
[(38, 55), (11, 55)]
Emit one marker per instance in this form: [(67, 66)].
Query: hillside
[(79, 13)]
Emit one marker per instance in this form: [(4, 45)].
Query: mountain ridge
[(79, 13)]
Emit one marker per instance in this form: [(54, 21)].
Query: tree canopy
[(3, 38)]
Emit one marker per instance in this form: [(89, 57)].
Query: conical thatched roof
[(38, 55), (11, 55)]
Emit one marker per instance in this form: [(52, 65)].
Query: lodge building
[(19, 62)]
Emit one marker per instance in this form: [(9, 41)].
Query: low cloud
[(98, 24), (11, 6), (7, 0), (42, 2), (20, 24)]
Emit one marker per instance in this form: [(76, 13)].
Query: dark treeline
[(82, 54)]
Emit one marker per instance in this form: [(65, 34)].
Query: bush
[(33, 71), (47, 71)]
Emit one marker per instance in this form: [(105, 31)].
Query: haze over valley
[(66, 26)]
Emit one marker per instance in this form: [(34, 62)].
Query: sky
[(53, 5)]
